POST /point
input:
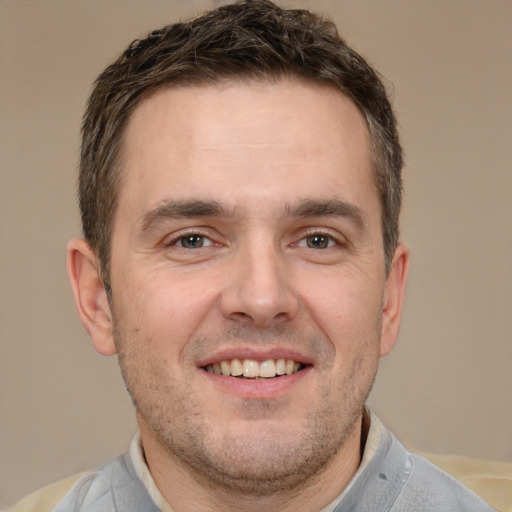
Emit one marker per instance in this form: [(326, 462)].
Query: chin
[(263, 459)]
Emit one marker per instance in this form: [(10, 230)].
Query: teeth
[(251, 369), (236, 368), (268, 369), (225, 367)]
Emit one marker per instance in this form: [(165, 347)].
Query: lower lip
[(257, 389)]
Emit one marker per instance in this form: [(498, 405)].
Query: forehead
[(288, 138)]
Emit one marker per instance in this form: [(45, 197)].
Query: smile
[(251, 369)]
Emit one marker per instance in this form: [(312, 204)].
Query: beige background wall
[(448, 385)]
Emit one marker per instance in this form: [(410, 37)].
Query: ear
[(90, 295), (394, 294)]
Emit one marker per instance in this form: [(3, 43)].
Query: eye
[(193, 241), (318, 241)]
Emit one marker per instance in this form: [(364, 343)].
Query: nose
[(259, 290)]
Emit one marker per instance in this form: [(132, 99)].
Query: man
[(240, 186)]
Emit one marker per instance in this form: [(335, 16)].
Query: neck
[(185, 490)]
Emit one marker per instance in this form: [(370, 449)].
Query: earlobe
[(90, 296), (394, 294)]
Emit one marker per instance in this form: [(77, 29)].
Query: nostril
[(241, 316)]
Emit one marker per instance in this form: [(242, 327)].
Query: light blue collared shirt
[(389, 479)]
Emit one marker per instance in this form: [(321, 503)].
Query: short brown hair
[(251, 39)]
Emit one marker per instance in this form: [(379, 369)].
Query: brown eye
[(318, 241)]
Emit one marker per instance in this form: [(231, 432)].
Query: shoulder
[(427, 487), (491, 480), (47, 498), (115, 487), (404, 481)]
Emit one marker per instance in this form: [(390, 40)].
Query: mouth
[(255, 370)]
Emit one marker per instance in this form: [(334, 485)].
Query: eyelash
[(331, 240), (175, 241)]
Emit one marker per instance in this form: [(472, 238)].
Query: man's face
[(247, 239)]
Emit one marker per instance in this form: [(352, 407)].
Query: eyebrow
[(328, 208), (306, 208), (180, 209)]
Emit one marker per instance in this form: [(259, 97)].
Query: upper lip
[(255, 354)]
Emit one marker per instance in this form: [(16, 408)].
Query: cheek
[(344, 308), (162, 308)]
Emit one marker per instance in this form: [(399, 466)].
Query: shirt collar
[(142, 470)]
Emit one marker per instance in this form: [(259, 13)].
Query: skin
[(274, 183)]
